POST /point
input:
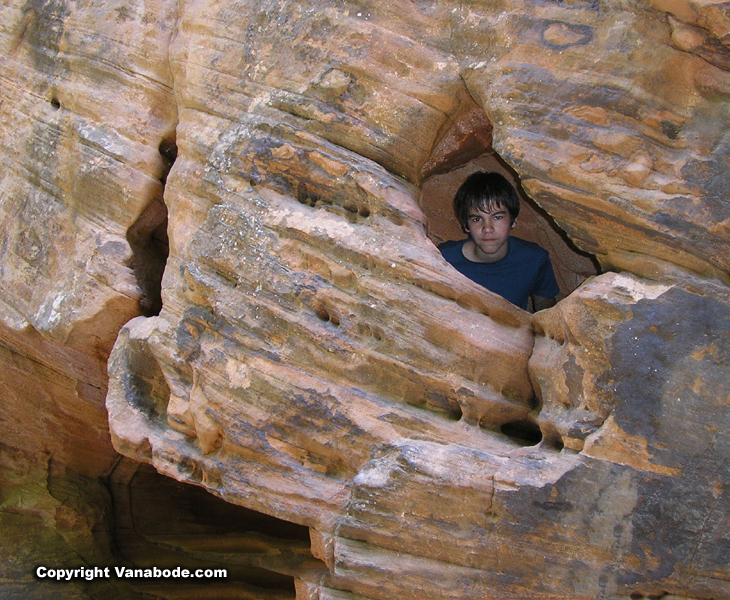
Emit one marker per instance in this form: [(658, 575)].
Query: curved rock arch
[(323, 364)]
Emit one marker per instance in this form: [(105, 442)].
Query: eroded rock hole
[(150, 248), (305, 196), (465, 147), (640, 596), (348, 208), (557, 444), (525, 432), (450, 407), (149, 242), (322, 313), (371, 330), (327, 315), (571, 266), (162, 522), (551, 437), (168, 151)]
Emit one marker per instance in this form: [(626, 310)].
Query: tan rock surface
[(86, 101), (315, 359)]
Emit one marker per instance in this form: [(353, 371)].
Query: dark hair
[(484, 191)]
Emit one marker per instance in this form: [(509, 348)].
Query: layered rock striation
[(308, 354)]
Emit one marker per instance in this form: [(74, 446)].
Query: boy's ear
[(513, 224)]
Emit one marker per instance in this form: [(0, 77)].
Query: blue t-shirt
[(524, 271)]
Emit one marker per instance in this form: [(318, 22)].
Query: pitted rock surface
[(308, 354)]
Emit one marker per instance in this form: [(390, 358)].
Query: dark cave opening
[(148, 239), (526, 432), (161, 522)]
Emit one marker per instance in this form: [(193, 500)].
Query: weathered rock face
[(86, 102), (315, 359)]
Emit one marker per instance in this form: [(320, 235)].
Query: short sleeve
[(546, 286)]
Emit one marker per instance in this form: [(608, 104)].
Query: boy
[(487, 206)]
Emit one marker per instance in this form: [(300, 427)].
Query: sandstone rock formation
[(379, 426)]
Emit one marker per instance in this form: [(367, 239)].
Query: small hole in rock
[(371, 331), (55, 103), (557, 444), (148, 238), (305, 196), (670, 129), (168, 151), (551, 437), (455, 411), (145, 387), (150, 247), (525, 432)]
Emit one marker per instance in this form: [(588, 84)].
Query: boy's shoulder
[(518, 245), (451, 250), (451, 244)]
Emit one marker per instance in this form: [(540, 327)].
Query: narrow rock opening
[(161, 522), (640, 596), (551, 437), (465, 147), (148, 239), (526, 432)]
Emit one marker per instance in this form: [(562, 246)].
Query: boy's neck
[(473, 253)]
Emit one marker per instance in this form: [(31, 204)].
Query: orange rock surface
[(232, 207)]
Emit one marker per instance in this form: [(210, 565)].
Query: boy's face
[(489, 229)]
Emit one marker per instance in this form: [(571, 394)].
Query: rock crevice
[(288, 336)]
